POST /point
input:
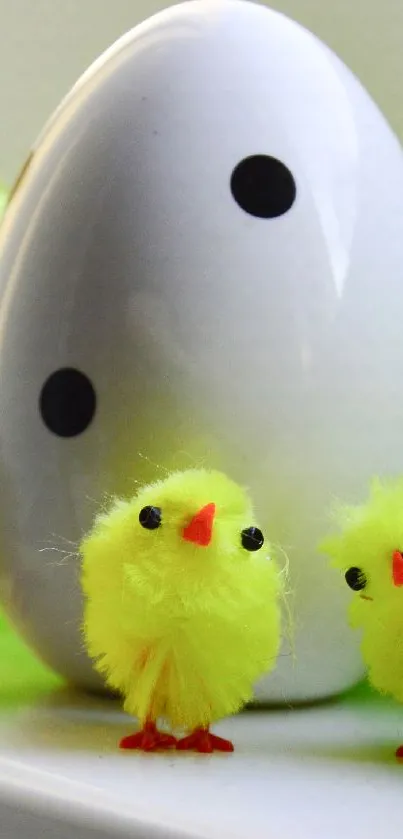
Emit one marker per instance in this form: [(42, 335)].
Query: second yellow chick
[(369, 550)]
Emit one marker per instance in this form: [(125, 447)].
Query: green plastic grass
[(22, 676)]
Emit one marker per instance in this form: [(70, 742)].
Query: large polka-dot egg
[(201, 264)]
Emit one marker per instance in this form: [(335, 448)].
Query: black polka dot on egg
[(67, 402), (263, 186)]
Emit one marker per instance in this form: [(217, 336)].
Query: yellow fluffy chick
[(369, 549), (181, 613)]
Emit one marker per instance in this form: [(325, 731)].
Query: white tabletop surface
[(323, 772)]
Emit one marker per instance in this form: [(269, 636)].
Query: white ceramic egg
[(202, 265)]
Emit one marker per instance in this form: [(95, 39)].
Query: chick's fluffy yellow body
[(369, 536), (181, 631)]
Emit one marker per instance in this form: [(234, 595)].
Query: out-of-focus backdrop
[(46, 44)]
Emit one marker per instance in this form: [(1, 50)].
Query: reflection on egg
[(201, 265)]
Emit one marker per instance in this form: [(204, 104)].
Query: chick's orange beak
[(200, 529), (398, 568)]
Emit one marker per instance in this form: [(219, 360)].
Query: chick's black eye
[(252, 539), (150, 518), (356, 579), (263, 186)]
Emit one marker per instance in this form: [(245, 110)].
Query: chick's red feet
[(399, 753), (201, 740), (149, 739)]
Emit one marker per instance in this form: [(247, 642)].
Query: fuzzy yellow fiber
[(181, 631), (369, 536)]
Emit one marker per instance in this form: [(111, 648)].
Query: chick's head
[(191, 529), (369, 551), (197, 521)]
